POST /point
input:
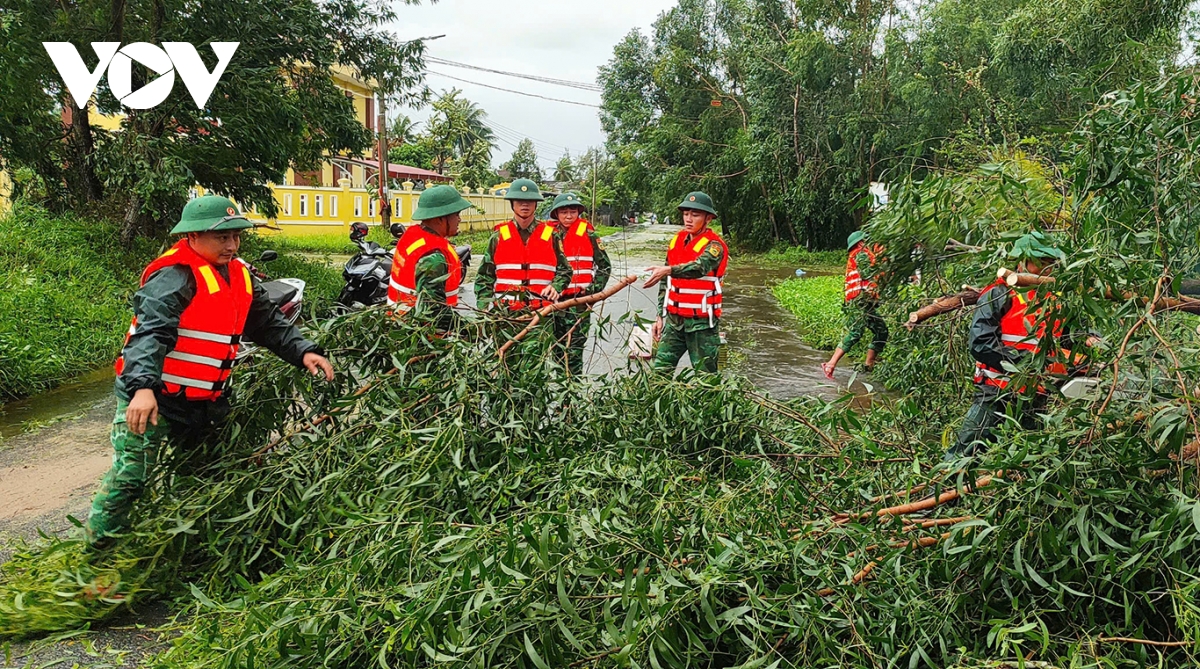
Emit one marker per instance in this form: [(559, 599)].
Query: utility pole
[(385, 201)]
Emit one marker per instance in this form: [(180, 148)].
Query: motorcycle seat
[(279, 292)]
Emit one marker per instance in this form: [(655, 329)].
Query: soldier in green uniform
[(523, 196), (590, 271), (173, 369), (862, 304), (426, 270), (689, 302)]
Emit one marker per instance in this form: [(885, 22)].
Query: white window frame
[(371, 208), (287, 204), (357, 206), (318, 205), (303, 205)]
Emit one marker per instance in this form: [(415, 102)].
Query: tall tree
[(275, 106), (564, 170), (460, 139), (523, 164), (402, 130)]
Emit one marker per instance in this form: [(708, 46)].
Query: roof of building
[(397, 170)]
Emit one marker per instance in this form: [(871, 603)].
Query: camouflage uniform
[(862, 313), (431, 272), (181, 423), (694, 336), (572, 343)]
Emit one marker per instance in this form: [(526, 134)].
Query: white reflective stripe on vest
[(407, 291), (699, 306), (1020, 339), (190, 383), (509, 266), (578, 258), (694, 291), (132, 330), (198, 359), (578, 285), (452, 293), (206, 336), (983, 371), (548, 268), (540, 282)]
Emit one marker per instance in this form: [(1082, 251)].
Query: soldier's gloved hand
[(142, 411), (656, 329), (318, 365)]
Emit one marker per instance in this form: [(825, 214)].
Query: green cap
[(1035, 245), (210, 213), (523, 189), (565, 200), (854, 238), (698, 201), (439, 201)]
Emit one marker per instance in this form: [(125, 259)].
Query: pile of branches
[(441, 505)]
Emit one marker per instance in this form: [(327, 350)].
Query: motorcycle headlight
[(379, 274)]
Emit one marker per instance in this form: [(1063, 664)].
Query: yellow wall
[(341, 206), (5, 192)]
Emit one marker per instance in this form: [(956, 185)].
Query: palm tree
[(565, 169), (458, 131), (403, 130)]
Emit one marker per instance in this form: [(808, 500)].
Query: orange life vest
[(414, 244), (577, 246), (855, 284), (210, 328), (695, 298), (524, 270), (1017, 331)]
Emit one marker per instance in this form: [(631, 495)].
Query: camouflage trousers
[(990, 408), (571, 343), (702, 346), (135, 458), (861, 316)]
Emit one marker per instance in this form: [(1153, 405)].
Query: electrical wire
[(583, 86), (509, 90)]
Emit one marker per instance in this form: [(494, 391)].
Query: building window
[(398, 208), (287, 204), (371, 208), (303, 206), (333, 206), (193, 194), (318, 205), (357, 206)]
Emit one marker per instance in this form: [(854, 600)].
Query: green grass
[(817, 304), (63, 311), (805, 259), (67, 285)]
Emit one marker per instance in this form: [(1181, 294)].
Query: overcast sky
[(562, 39)]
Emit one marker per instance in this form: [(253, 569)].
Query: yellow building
[(344, 189), (5, 191)]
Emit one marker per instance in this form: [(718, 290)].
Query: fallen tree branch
[(914, 507), (968, 297), (1022, 279), (1143, 642), (559, 306)]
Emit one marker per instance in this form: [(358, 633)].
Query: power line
[(583, 86), (509, 90)]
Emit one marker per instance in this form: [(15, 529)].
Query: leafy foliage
[(817, 304), (276, 106), (460, 140), (785, 112), (523, 164)]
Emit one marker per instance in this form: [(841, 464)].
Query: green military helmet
[(210, 213), (523, 189), (1035, 245), (439, 201), (698, 201), (854, 238), (565, 200)]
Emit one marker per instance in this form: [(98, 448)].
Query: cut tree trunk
[(968, 297)]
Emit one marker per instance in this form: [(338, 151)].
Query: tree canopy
[(523, 164)]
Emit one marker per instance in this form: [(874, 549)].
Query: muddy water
[(62, 402), (762, 336)]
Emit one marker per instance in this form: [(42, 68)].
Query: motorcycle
[(367, 274), (286, 294)]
